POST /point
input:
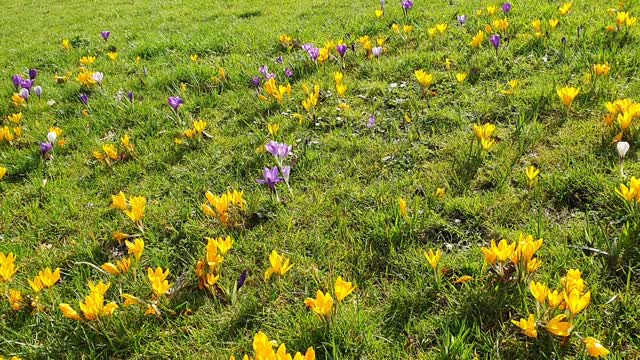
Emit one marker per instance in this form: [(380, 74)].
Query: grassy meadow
[(153, 154)]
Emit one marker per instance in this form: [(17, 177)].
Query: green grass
[(342, 217)]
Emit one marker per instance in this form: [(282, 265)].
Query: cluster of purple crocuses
[(256, 81), (312, 51), (271, 177), (25, 85)]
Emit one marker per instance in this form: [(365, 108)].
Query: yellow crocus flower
[(568, 94), (461, 77), (539, 291), (343, 288), (532, 175), (136, 248), (433, 258), (137, 208), (595, 348), (576, 302), (322, 305), (279, 265), (559, 327), (424, 78), (528, 326)]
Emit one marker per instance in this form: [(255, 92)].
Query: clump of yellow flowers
[(93, 306), (620, 117), (275, 91), (265, 349), (311, 101), (226, 208), (483, 135), (208, 270), (133, 208), (323, 305), (110, 152), (505, 258), (557, 309)]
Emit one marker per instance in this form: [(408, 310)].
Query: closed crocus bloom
[(595, 348), (3, 172), (495, 40), (38, 91), (528, 326), (341, 49), (558, 326), (343, 288), (321, 305), (489, 256), (461, 77), (7, 263), (175, 102), (433, 258), (213, 258), (105, 35), (402, 204), (68, 311), (602, 69), (539, 291), (137, 208), (462, 19), (110, 268), (136, 248), (532, 174), (622, 147), (576, 302)]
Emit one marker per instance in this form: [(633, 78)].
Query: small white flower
[(97, 77), (622, 147), (377, 51), (52, 136)]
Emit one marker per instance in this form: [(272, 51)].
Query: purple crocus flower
[(279, 150), (130, 96), (33, 73), (341, 49), (24, 93), (506, 7), (105, 35), (377, 51), (45, 147), (84, 99), (314, 52), (407, 5), (271, 177), (495, 41), (175, 102), (17, 79), (288, 72), (279, 60), (382, 4), (255, 81), (372, 121), (264, 70), (26, 84), (242, 279), (286, 171), (269, 76), (462, 19), (38, 91)]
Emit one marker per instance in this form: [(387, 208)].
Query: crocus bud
[(342, 49), (17, 79), (24, 93), (377, 51), (622, 147), (33, 73), (52, 136), (130, 96), (288, 72), (38, 90)]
